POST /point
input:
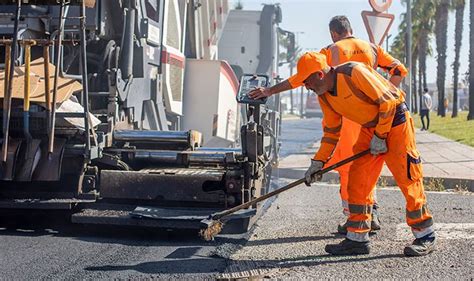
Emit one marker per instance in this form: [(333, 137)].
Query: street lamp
[(386, 40), (302, 89)]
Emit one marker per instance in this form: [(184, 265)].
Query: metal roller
[(157, 157), (187, 139)]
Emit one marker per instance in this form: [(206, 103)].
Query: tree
[(239, 5), (425, 11), (459, 6), (399, 47), (470, 116), (441, 31)]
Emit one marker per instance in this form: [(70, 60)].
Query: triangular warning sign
[(377, 25)]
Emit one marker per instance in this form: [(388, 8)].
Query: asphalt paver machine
[(125, 113)]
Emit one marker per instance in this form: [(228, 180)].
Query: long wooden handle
[(219, 215), (47, 87), (56, 79), (7, 106)]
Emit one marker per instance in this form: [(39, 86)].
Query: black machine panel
[(249, 82)]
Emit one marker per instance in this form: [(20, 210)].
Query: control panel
[(248, 82)]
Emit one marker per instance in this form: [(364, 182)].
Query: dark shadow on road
[(183, 266), (207, 265), (283, 240), (183, 253)]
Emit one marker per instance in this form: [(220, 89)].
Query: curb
[(432, 183)]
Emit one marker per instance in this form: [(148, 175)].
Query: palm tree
[(470, 116), (399, 50), (422, 27), (441, 31), (426, 25), (459, 6)]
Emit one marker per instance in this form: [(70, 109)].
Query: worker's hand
[(310, 176), (378, 145), (259, 93)]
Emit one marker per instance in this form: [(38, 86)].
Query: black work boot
[(421, 246), (348, 247)]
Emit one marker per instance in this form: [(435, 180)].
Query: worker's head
[(340, 28), (425, 90), (312, 68)]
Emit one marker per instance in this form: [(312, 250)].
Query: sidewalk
[(447, 164)]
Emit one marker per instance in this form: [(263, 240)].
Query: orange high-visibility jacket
[(362, 95), (354, 49)]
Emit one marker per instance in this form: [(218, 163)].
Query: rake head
[(210, 228)]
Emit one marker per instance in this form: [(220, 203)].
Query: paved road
[(289, 239), (34, 250)]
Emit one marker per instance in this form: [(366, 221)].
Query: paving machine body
[(106, 135)]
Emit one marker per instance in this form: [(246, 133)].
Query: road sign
[(380, 5), (377, 25)]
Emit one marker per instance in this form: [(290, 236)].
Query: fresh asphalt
[(38, 248)]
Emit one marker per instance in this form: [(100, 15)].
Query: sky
[(310, 19)]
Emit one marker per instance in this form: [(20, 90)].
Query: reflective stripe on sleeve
[(384, 115), (372, 123), (358, 93), (334, 55), (328, 140), (332, 130)]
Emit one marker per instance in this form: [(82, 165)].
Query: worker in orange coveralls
[(359, 93), (347, 48)]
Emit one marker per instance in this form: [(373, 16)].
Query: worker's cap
[(308, 64)]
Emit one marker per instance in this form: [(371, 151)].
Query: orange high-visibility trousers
[(349, 135), (403, 160)]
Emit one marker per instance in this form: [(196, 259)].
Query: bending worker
[(359, 93), (348, 48)]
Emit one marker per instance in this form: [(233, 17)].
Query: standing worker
[(347, 48), (426, 104), (359, 93)]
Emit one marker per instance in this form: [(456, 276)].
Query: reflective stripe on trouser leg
[(404, 162), (359, 237), (362, 181), (420, 232)]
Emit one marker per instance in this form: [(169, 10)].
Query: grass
[(457, 129), (434, 184)]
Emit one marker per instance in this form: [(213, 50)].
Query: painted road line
[(447, 231)]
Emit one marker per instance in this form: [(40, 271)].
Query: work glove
[(309, 176), (378, 145), (259, 93)]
